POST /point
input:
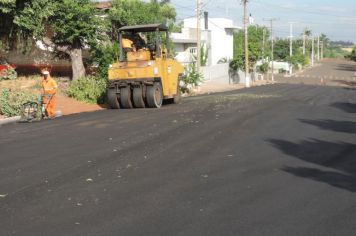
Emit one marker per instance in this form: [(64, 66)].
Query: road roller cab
[(146, 73)]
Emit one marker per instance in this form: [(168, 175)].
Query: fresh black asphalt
[(269, 160)]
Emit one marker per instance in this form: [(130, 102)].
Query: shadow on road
[(339, 180), (337, 126), (341, 157), (345, 106), (346, 67), (345, 82)]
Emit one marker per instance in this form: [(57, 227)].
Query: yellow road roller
[(146, 73)]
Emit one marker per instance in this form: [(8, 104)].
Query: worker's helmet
[(45, 72)]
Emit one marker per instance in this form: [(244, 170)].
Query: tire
[(137, 98), (113, 99), (154, 95), (177, 98), (125, 97)]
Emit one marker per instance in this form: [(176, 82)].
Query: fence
[(217, 73)]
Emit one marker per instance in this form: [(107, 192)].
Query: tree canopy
[(65, 26), (257, 50), (68, 26), (135, 12)]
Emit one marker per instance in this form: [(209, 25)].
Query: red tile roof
[(103, 5)]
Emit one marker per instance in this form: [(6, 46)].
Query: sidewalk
[(69, 106), (214, 87)]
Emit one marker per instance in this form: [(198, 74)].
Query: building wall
[(217, 73), (35, 59), (221, 37), (184, 53)]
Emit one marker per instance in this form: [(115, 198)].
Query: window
[(193, 50)]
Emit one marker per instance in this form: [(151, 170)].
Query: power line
[(181, 7), (206, 4), (212, 22)]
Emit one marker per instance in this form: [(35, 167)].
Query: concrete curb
[(10, 120)]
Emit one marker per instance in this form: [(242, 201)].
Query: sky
[(335, 18)]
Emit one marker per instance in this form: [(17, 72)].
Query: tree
[(257, 50), (75, 26), (307, 32), (282, 52), (65, 26), (11, 35), (325, 40), (281, 49), (136, 12)]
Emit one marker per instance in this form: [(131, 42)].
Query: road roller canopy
[(144, 28)]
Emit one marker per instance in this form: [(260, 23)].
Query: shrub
[(192, 77), (298, 59), (282, 71), (352, 55), (88, 89), (204, 55), (11, 101), (263, 68), (8, 74), (236, 64)]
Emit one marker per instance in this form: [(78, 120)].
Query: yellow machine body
[(139, 67), (144, 74)]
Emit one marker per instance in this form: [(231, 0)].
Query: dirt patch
[(23, 84), (69, 106), (66, 105)]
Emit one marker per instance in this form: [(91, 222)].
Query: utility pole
[(272, 45), (246, 23), (291, 47), (322, 49), (318, 48), (263, 43), (291, 40), (312, 54), (303, 43), (198, 35)]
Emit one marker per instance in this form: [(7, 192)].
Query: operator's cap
[(45, 72)]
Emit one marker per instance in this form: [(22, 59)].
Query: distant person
[(48, 92)]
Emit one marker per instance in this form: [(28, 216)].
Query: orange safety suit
[(49, 90)]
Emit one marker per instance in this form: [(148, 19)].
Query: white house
[(216, 35)]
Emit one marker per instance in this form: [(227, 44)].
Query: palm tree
[(307, 33)]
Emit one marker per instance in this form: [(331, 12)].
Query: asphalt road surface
[(270, 160)]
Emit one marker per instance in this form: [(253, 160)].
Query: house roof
[(185, 41), (233, 27), (144, 28), (103, 5)]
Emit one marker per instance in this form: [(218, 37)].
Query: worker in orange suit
[(49, 89)]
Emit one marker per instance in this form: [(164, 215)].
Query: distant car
[(6, 69)]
